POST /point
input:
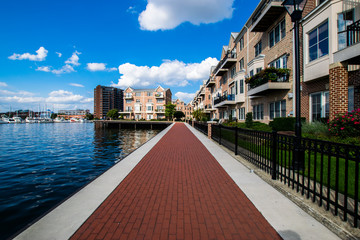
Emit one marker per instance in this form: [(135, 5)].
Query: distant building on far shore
[(78, 113), (105, 99)]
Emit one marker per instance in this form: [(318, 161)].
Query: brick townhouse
[(331, 59), (179, 105), (145, 104), (266, 41)]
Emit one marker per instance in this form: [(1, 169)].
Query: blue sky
[(54, 53)]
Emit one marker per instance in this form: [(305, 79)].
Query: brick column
[(209, 130), (192, 123), (338, 89)]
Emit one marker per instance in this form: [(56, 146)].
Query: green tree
[(198, 114), (89, 116), (113, 114), (179, 115), (169, 111), (53, 115)]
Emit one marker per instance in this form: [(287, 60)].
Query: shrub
[(346, 125), (315, 129), (249, 120), (259, 126), (284, 123)]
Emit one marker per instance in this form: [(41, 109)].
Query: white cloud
[(186, 97), (76, 85), (59, 54), (3, 84), (131, 10), (40, 56), (94, 67), (59, 99), (171, 73), (44, 69), (67, 68), (164, 15), (74, 59)]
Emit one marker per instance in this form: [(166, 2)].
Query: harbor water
[(43, 164)]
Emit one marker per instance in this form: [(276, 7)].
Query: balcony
[(202, 92), (128, 96), (210, 82), (159, 95), (266, 15), (209, 108), (159, 111), (224, 101), (228, 61), (351, 53)]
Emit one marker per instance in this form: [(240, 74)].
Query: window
[(277, 33), (137, 100), (149, 94), (128, 109), (251, 73), (241, 86), (241, 43), (236, 88), (258, 112), (242, 113), (278, 109), (138, 94), (281, 62), (344, 19), (258, 48), (241, 62), (160, 100), (233, 72), (128, 101), (137, 108), (319, 42), (351, 106), (149, 108), (319, 105), (149, 100), (258, 70)]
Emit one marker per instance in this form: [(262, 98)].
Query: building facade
[(255, 74), (180, 105), (331, 59), (105, 99), (145, 104)]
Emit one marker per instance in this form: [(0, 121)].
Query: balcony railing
[(229, 97), (268, 75), (159, 95), (128, 96), (228, 60), (353, 33)]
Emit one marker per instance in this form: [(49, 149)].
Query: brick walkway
[(177, 191)]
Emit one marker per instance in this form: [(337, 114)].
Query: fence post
[(209, 130), (236, 140), (220, 134), (192, 123), (274, 154)]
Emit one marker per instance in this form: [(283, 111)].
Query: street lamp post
[(295, 9)]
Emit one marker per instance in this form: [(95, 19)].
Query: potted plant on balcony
[(270, 74)]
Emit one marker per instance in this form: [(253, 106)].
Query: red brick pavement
[(177, 191)]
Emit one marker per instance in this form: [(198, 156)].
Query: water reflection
[(42, 164)]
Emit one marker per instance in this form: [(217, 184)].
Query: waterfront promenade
[(179, 185)]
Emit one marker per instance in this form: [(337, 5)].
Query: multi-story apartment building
[(105, 99), (146, 103), (180, 105), (331, 59), (188, 111)]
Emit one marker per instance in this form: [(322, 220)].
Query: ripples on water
[(42, 164)]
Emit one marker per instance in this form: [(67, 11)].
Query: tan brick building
[(180, 105), (330, 58), (145, 104)]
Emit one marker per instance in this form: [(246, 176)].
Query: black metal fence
[(328, 172), (202, 127)]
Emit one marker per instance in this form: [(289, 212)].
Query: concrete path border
[(290, 221), (64, 220)]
